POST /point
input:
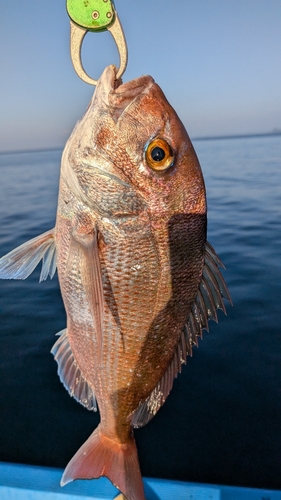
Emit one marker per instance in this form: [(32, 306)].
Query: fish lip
[(118, 95), (138, 85), (118, 87)]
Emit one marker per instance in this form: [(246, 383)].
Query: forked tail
[(101, 456)]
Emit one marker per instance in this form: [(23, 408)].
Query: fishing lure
[(95, 16)]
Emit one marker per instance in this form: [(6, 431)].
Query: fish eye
[(159, 155)]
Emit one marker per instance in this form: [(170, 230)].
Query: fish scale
[(125, 286)]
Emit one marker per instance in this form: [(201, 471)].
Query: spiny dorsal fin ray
[(20, 262), (213, 263), (70, 373), (209, 297)]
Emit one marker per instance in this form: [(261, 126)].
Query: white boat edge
[(27, 482)]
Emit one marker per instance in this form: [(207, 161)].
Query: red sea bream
[(138, 279)]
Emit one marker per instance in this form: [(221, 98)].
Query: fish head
[(131, 134)]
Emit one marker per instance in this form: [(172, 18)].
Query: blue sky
[(218, 62)]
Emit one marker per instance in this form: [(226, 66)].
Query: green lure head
[(93, 15)]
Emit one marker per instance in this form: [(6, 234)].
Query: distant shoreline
[(235, 136), (204, 138)]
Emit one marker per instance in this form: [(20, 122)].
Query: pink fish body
[(138, 279)]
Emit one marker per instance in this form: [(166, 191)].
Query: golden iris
[(159, 155)]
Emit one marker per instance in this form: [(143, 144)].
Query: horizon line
[(237, 136), (200, 138)]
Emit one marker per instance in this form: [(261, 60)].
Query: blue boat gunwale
[(27, 482)]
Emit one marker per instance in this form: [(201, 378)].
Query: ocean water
[(221, 422)]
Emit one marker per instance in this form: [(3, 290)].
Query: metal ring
[(77, 35)]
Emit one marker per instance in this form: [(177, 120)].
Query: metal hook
[(94, 15)]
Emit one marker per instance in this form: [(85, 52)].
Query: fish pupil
[(158, 154)]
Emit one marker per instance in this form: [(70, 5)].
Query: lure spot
[(96, 14)]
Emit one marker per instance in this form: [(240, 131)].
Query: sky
[(217, 61)]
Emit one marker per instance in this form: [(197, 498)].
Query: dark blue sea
[(221, 423)]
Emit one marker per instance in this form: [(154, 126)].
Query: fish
[(138, 278)]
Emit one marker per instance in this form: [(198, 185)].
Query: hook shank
[(77, 35)]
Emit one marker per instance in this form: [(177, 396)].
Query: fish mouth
[(118, 95)]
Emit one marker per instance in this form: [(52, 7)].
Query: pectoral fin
[(19, 263), (209, 297), (92, 280), (86, 261)]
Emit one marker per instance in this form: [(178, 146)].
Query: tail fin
[(101, 456)]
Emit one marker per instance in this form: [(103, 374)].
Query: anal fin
[(70, 373)]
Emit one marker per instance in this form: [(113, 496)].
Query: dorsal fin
[(70, 373), (209, 297), (20, 262)]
